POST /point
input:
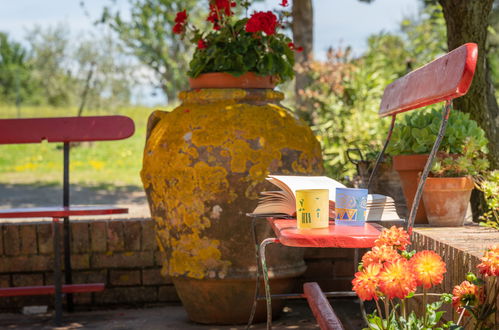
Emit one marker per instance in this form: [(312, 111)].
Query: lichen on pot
[(204, 165)]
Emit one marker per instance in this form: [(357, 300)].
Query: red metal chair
[(441, 80)]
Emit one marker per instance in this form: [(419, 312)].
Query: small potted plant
[(413, 138), (447, 191)]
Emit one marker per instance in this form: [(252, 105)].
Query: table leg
[(57, 272), (257, 282), (263, 245)]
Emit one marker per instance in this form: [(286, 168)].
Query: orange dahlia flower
[(490, 262), (397, 280), (428, 267), (380, 255), (466, 294), (365, 282), (396, 237)]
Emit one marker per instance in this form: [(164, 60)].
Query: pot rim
[(409, 162), (226, 80), (464, 183)]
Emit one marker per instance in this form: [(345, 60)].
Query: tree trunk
[(467, 21), (303, 36)]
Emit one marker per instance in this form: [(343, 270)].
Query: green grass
[(104, 164)]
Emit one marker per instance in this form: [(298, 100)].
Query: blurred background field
[(97, 164)]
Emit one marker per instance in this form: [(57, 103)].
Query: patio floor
[(296, 315)]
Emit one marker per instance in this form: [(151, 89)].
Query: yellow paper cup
[(312, 208)]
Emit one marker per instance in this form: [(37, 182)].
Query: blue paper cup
[(350, 206)]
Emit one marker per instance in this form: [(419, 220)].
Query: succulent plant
[(417, 131)]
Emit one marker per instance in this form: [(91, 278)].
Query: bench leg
[(57, 271)]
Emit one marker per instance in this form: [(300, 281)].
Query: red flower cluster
[(218, 9), (387, 273), (489, 265), (293, 47), (180, 21), (398, 238), (466, 294), (201, 44), (429, 268), (262, 21), (284, 3), (397, 280)]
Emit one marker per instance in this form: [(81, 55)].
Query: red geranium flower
[(262, 21), (181, 17), (178, 28), (284, 3), (201, 44), (292, 47)]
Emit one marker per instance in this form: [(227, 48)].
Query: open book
[(282, 203)]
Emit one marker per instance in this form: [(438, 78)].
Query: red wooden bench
[(322, 310), (65, 130), (443, 79)]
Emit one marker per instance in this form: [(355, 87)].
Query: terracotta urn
[(446, 200), (408, 168), (204, 164)]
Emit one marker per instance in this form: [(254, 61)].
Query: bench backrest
[(443, 79), (65, 129)]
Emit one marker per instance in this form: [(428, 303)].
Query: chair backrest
[(65, 129), (443, 79)]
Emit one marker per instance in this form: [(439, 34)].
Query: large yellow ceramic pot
[(204, 164)]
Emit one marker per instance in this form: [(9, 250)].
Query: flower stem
[(387, 310), (404, 312), (461, 315), (425, 298), (378, 309)]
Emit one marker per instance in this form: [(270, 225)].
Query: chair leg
[(265, 272), (257, 281)]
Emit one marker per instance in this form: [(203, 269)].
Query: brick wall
[(120, 253), (332, 268)]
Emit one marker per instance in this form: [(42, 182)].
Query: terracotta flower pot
[(446, 200), (409, 167), (204, 165), (226, 80)]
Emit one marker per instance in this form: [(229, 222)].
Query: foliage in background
[(493, 47), (58, 68), (16, 84), (488, 183), (147, 35), (346, 92)]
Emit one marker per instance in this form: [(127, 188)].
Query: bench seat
[(50, 289)]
